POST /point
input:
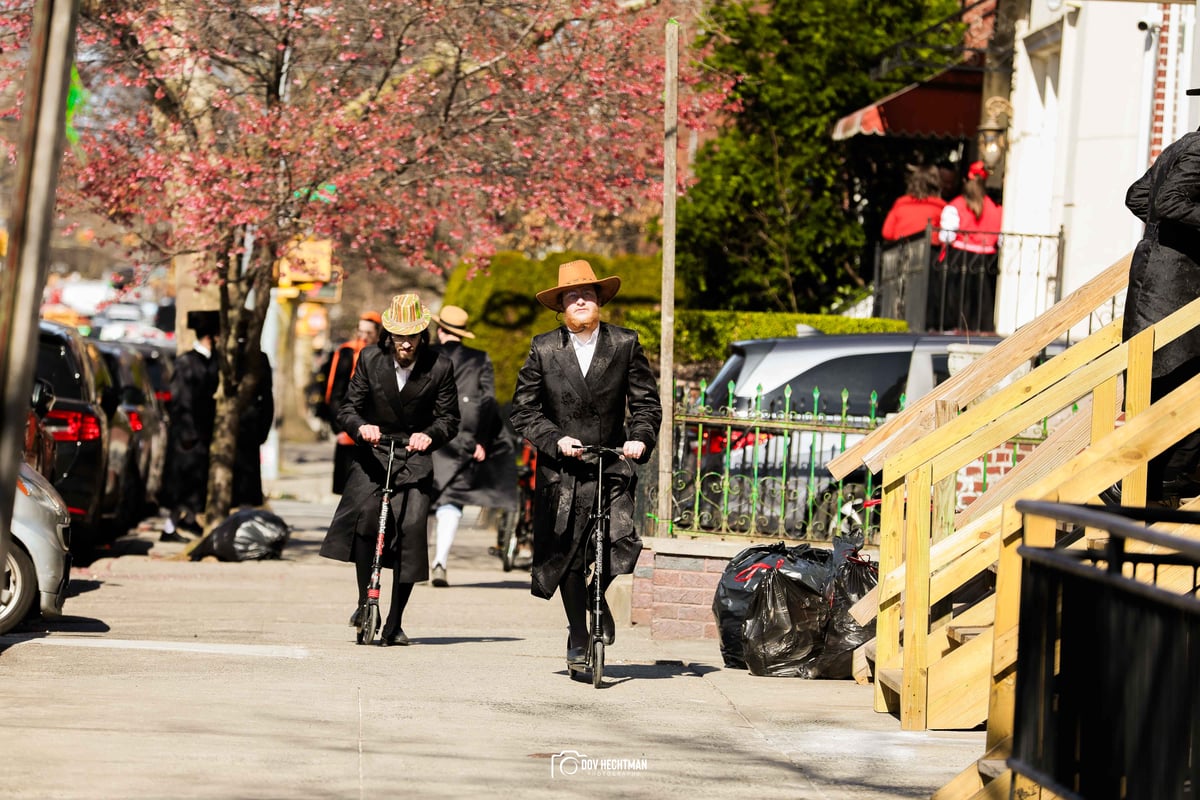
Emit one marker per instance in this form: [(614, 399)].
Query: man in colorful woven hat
[(587, 382), (478, 467), (401, 388)]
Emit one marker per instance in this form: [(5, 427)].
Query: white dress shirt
[(585, 348), (402, 374)]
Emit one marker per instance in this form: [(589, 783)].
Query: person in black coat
[(403, 388), (192, 411), (478, 467), (1164, 276), (254, 424), (587, 382)]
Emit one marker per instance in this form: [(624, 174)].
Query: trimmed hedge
[(504, 314)]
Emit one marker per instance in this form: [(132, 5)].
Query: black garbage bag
[(785, 630), (741, 577), (852, 579), (248, 535)]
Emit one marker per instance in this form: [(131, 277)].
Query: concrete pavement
[(179, 679)]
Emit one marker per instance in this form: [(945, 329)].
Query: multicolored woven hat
[(406, 315)]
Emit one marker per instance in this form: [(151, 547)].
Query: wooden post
[(666, 383)]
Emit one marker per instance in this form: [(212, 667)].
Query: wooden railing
[(927, 552)]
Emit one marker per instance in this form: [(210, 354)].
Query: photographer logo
[(570, 763)]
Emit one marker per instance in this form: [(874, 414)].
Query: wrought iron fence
[(1108, 660), (761, 471), (940, 288)]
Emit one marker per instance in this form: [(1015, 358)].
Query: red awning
[(944, 107)]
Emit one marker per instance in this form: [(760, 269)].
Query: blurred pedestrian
[(192, 411), (588, 382), (341, 368), (478, 467), (254, 422), (402, 388)]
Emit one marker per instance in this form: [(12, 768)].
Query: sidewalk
[(217, 680)]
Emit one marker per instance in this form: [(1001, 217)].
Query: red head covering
[(976, 170)]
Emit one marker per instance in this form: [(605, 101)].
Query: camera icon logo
[(565, 763)]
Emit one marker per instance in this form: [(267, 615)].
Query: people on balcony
[(919, 208)]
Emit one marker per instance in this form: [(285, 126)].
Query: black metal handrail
[(1108, 661)]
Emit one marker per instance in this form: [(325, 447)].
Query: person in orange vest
[(970, 233), (341, 369)]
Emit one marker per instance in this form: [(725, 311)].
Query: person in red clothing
[(341, 369), (970, 233), (971, 221), (919, 208)]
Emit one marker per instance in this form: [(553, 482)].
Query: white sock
[(447, 525)]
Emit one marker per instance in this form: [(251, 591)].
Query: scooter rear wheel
[(597, 663), (370, 624)]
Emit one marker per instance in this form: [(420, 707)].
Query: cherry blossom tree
[(227, 131)]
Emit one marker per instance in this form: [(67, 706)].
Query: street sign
[(329, 292), (307, 260)]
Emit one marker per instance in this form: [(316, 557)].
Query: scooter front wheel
[(597, 663), (370, 624)]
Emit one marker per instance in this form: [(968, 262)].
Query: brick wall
[(999, 463), (673, 594)]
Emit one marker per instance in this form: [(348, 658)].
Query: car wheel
[(23, 582)]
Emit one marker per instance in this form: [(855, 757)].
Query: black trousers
[(1179, 461)]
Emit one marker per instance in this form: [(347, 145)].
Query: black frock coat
[(554, 399), (459, 478), (1165, 273), (192, 412), (428, 404)]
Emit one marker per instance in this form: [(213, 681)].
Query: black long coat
[(428, 404), (1165, 273), (193, 410), (459, 478), (554, 399)]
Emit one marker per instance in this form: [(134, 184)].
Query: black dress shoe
[(174, 536), (354, 623), (397, 639), (576, 656)]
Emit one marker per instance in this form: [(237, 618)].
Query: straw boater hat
[(406, 315), (454, 320), (574, 274)]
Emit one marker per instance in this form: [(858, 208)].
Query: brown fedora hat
[(574, 274), (406, 316), (453, 319)]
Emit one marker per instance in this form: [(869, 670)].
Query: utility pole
[(23, 274), (666, 384)]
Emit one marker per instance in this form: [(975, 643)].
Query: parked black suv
[(79, 424)]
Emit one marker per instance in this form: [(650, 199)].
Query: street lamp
[(992, 133)]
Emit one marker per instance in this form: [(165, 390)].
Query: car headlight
[(40, 495)]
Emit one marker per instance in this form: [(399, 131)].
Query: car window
[(101, 377), (56, 364), (859, 375)]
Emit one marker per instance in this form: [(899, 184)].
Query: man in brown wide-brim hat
[(587, 382)]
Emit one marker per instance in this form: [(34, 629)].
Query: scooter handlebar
[(600, 450)]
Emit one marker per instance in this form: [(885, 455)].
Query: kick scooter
[(368, 615), (600, 520)]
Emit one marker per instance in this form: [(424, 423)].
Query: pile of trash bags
[(785, 611), (247, 535)]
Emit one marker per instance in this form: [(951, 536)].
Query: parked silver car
[(39, 558)]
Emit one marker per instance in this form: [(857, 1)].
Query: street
[(178, 679)]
